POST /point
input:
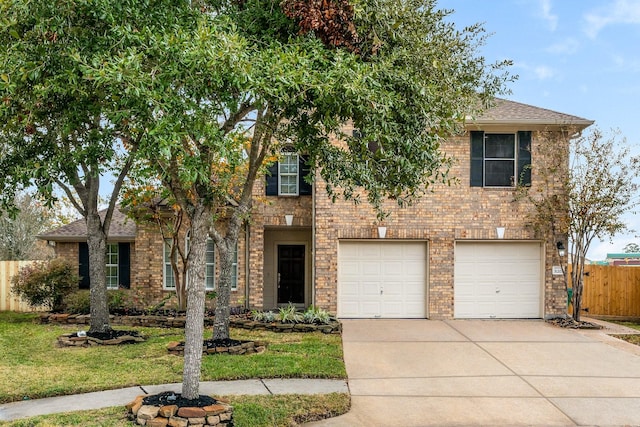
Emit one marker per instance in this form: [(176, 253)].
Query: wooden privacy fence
[(611, 291), (8, 301)]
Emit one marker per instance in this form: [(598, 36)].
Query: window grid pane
[(169, 279), (112, 266), (210, 270), (234, 270), (288, 174), (499, 160)]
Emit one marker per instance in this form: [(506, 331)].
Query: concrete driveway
[(487, 373)]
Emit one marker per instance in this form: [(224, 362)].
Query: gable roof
[(122, 229), (510, 112)]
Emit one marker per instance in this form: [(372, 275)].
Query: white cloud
[(620, 12), (552, 20), (624, 63), (567, 46), (539, 72), (543, 72)]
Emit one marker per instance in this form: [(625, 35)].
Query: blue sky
[(580, 57)]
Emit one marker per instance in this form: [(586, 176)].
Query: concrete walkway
[(104, 399), (487, 373)]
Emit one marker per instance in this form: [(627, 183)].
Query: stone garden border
[(151, 321)]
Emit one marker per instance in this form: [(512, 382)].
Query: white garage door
[(497, 280), (382, 279)]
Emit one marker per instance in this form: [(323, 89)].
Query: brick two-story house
[(462, 251)]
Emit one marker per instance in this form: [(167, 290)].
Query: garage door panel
[(497, 280), (388, 278)]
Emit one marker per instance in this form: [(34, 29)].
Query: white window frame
[(513, 160), (210, 266), (111, 255), (168, 280), (234, 270), (289, 169)]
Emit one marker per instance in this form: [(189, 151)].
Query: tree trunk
[(577, 299), (223, 291), (97, 244), (194, 326)]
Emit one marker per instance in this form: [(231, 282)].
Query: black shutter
[(83, 265), (272, 180), (304, 188), (524, 158), (124, 265), (477, 158)]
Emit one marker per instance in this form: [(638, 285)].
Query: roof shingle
[(511, 112), (122, 229)]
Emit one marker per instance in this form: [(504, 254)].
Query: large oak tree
[(209, 92)]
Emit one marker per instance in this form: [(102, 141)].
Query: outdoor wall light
[(561, 249), (382, 232), (288, 219), (500, 232)]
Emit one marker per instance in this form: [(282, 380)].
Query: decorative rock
[(191, 412), (197, 421), (213, 420), (158, 422), (178, 422), (215, 409), (147, 412), (135, 405), (168, 411)]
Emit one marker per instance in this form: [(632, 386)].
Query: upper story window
[(288, 171), (286, 177), (500, 159)]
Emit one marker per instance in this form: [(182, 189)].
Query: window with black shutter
[(500, 159), (288, 176), (83, 265), (117, 262)]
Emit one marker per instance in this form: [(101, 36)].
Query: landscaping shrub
[(78, 302), (45, 283), (289, 314)]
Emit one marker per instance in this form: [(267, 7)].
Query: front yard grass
[(248, 411), (31, 366), (633, 339)]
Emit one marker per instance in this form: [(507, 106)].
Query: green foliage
[(45, 283), (290, 314), (317, 315), (263, 316), (18, 229), (79, 370), (78, 302), (587, 183)]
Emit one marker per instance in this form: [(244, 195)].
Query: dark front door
[(291, 274)]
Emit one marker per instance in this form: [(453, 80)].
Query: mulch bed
[(111, 334), (220, 346), (570, 323), (93, 338), (171, 398)]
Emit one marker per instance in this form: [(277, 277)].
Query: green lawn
[(633, 339), (31, 365), (248, 411)]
